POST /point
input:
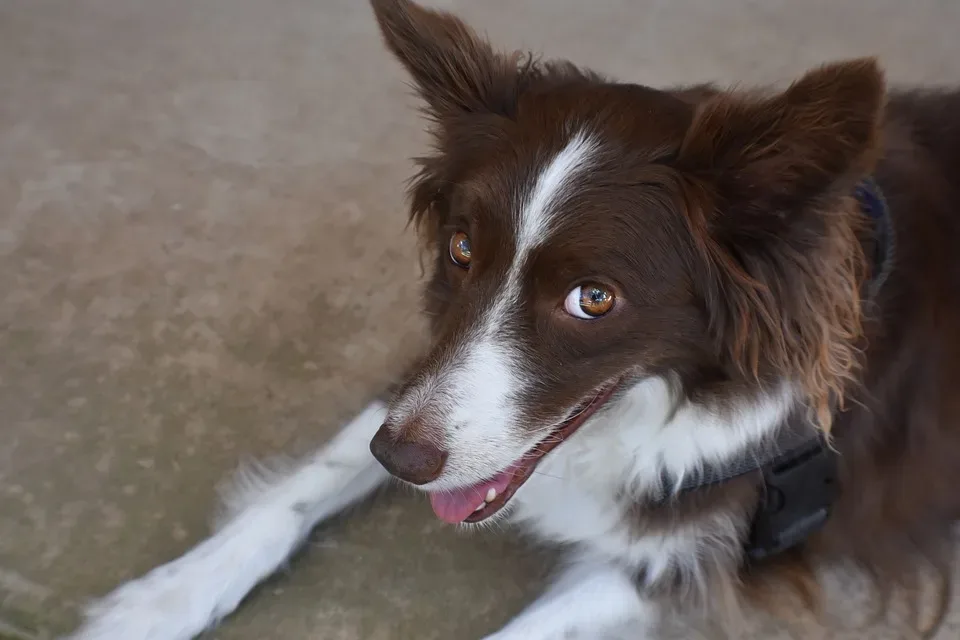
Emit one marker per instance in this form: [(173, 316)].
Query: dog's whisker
[(547, 475)]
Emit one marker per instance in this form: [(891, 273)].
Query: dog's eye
[(460, 249), (589, 300)]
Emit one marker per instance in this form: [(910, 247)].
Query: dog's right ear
[(454, 70)]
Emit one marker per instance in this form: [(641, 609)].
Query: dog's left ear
[(454, 70), (771, 208), (776, 155)]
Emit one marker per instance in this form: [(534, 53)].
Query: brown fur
[(731, 214), (774, 171)]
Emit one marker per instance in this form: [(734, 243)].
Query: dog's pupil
[(597, 296), (595, 300)]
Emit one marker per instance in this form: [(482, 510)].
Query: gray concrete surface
[(202, 258)]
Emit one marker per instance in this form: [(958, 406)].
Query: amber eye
[(460, 249), (589, 300)]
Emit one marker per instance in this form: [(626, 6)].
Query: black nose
[(415, 462)]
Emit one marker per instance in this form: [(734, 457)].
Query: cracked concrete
[(203, 257)]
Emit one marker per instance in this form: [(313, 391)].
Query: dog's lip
[(521, 470)]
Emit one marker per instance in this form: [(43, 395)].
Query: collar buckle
[(799, 488)]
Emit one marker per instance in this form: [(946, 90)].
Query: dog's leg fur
[(590, 599), (268, 519)]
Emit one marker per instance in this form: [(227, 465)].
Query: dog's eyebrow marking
[(551, 187), (539, 202)]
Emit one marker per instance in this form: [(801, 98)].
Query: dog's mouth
[(480, 501)]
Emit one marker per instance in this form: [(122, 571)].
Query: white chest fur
[(582, 491)]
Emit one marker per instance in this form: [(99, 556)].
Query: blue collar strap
[(874, 207)]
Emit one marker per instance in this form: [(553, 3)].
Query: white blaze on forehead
[(540, 202), (552, 186)]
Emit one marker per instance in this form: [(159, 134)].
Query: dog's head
[(587, 235)]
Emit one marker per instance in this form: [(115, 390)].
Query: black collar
[(798, 467)]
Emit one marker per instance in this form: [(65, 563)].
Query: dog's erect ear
[(773, 214), (777, 154), (454, 70)]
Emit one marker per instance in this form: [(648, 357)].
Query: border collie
[(707, 340)]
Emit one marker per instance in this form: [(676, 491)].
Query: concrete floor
[(203, 257)]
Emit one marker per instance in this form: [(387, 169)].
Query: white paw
[(181, 599), (155, 607), (271, 511)]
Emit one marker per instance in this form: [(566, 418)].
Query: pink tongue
[(456, 505)]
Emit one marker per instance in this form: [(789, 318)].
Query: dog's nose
[(415, 462)]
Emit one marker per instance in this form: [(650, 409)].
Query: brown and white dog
[(655, 298)]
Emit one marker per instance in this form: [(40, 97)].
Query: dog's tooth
[(491, 494), (482, 505)]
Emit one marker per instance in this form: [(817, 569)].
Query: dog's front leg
[(269, 514), (590, 600)]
